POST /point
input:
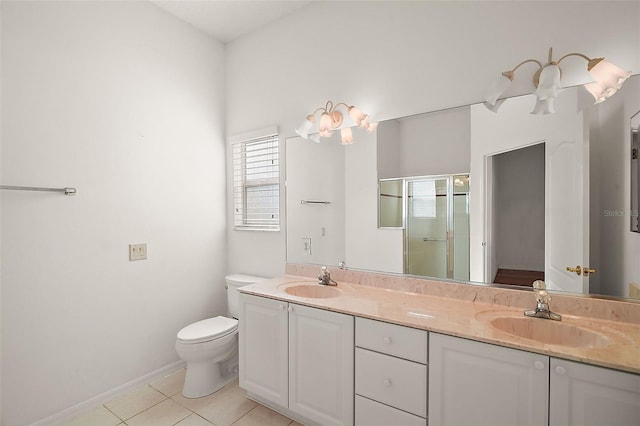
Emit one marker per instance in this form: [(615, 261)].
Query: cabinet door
[(263, 337), (588, 395), (481, 384), (321, 365)]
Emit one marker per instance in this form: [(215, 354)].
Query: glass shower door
[(427, 243)]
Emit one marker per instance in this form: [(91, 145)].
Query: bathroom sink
[(549, 332), (314, 291)]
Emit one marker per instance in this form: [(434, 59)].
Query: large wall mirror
[(476, 196)]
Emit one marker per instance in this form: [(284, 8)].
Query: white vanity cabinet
[(582, 394), (321, 365), (391, 374), (263, 348), (299, 358), (482, 384)]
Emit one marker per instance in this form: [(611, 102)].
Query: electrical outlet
[(137, 251), (306, 246)]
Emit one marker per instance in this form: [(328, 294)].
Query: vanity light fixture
[(331, 119), (608, 78)]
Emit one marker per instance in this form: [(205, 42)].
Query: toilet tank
[(233, 283)]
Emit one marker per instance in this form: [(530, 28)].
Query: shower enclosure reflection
[(434, 212), (437, 237)]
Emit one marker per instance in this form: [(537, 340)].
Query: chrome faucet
[(324, 277), (542, 303)]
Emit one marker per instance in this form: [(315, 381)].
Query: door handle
[(577, 269), (581, 271)]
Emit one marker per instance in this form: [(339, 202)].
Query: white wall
[(317, 175), (401, 58), (125, 103), (367, 246), (425, 144), (435, 143)]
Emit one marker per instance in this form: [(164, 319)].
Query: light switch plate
[(137, 251), (306, 246)]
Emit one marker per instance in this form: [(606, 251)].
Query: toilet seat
[(208, 329)]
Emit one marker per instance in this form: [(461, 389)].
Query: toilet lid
[(209, 329)]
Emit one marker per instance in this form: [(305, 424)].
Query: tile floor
[(161, 404)]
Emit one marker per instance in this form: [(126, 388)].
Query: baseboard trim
[(98, 400)]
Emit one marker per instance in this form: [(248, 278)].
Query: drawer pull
[(561, 370), (387, 340), (387, 382), (539, 365)]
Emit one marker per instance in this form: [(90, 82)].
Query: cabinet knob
[(539, 365), (290, 309), (387, 382), (561, 370), (387, 340)]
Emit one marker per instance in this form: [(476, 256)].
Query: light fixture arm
[(341, 103), (510, 74), (592, 62)]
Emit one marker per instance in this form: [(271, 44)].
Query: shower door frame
[(449, 221)]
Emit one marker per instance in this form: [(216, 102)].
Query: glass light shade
[(315, 137), (372, 127), (549, 83), (544, 106), (369, 124), (494, 107), (347, 136), (597, 90), (325, 133), (303, 129), (498, 88), (325, 123), (356, 115), (609, 75)]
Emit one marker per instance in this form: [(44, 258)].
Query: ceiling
[(226, 20)]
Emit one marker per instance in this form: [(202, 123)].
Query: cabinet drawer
[(392, 381), (371, 413), (396, 340)]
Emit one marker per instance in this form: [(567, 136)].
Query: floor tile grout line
[(238, 419), (146, 409), (203, 418), (107, 408)]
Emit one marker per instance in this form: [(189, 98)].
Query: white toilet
[(210, 346)]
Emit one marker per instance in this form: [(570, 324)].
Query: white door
[(473, 383), (263, 340), (587, 395), (567, 206), (321, 347)]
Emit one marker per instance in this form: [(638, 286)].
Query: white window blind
[(256, 184), (424, 199)]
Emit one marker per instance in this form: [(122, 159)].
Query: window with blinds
[(256, 184)]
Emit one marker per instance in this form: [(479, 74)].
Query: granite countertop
[(614, 344)]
